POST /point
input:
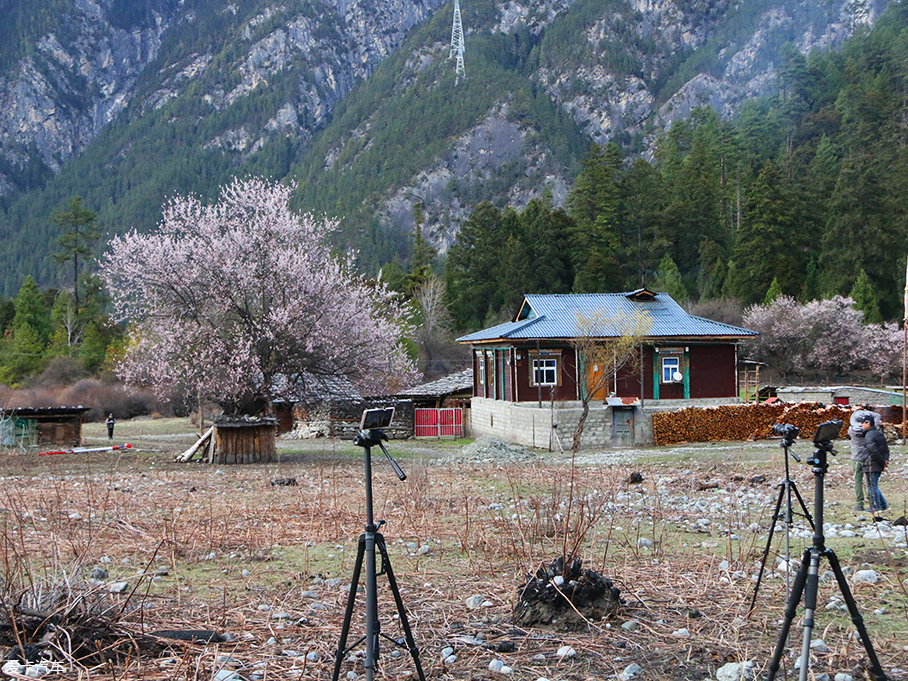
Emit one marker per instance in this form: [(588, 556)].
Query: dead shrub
[(101, 398)]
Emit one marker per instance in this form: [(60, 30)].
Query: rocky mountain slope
[(126, 102)]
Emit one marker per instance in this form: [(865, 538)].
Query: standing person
[(876, 458), (856, 433), (110, 426)]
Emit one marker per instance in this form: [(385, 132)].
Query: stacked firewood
[(742, 421)]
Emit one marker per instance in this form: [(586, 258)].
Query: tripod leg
[(348, 615), (797, 589), (870, 496), (803, 506), (373, 626), (772, 529), (401, 611), (856, 618), (810, 609)]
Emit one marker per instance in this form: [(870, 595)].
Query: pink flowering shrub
[(821, 337), (242, 300)]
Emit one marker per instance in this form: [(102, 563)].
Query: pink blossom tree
[(837, 337), (243, 301), (822, 336), (884, 351), (782, 343)]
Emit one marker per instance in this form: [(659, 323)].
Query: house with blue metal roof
[(533, 358)]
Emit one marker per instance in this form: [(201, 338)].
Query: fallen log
[(191, 452)]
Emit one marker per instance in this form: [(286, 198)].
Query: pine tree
[(78, 238), (764, 244), (669, 280), (21, 355), (594, 204), (31, 310), (865, 299), (773, 292), (473, 267), (422, 255)]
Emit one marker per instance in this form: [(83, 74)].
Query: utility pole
[(457, 44)]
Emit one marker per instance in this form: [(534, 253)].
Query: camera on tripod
[(822, 439), (786, 431)]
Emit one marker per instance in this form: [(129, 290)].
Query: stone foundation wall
[(527, 424)]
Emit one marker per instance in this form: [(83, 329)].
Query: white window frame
[(541, 367), (669, 366), (482, 370)]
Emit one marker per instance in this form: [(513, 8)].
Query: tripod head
[(371, 434), (372, 437), (369, 438), (822, 440)]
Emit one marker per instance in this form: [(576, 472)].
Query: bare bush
[(725, 310), (101, 398)]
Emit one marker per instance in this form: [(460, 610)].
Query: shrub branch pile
[(742, 421)]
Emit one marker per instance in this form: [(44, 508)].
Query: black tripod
[(786, 488), (369, 541), (807, 580)]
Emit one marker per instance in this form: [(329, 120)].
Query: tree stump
[(584, 596)]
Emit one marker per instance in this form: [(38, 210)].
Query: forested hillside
[(802, 193), (125, 103)]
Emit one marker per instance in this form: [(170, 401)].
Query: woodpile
[(743, 421), (203, 444)]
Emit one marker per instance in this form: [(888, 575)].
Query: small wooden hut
[(35, 427), (243, 440)]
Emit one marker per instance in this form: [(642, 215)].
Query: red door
[(438, 423)]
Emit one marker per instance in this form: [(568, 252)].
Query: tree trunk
[(578, 433)]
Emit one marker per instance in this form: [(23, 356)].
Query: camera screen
[(827, 431), (376, 418)]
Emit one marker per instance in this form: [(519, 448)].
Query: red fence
[(439, 423)]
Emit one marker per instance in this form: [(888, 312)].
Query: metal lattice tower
[(457, 44)]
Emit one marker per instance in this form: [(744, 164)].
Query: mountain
[(128, 102)]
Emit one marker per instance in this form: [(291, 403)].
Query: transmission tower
[(457, 44)]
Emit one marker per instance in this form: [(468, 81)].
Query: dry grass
[(231, 544)]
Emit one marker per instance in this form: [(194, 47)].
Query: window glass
[(545, 372), (669, 366)]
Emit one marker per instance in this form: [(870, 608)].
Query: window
[(545, 372), (482, 371), (670, 366), (490, 359)]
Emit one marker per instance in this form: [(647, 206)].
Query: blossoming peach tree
[(243, 301)]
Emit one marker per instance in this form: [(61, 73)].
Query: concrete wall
[(856, 395), (524, 423)]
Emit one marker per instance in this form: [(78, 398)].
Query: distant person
[(876, 457), (110, 426), (856, 433)]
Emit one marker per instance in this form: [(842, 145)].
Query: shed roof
[(311, 388), (452, 383), (555, 316), (832, 389), (44, 412)]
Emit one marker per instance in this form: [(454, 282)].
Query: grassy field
[(222, 548)]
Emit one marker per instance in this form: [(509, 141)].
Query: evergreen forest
[(800, 195)]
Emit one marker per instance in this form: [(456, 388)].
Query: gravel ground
[(680, 530)]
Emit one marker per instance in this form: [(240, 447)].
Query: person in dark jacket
[(875, 458), (110, 426), (856, 433)]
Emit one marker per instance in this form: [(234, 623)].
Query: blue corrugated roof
[(557, 316)]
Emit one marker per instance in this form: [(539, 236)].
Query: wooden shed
[(243, 440), (35, 427)]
